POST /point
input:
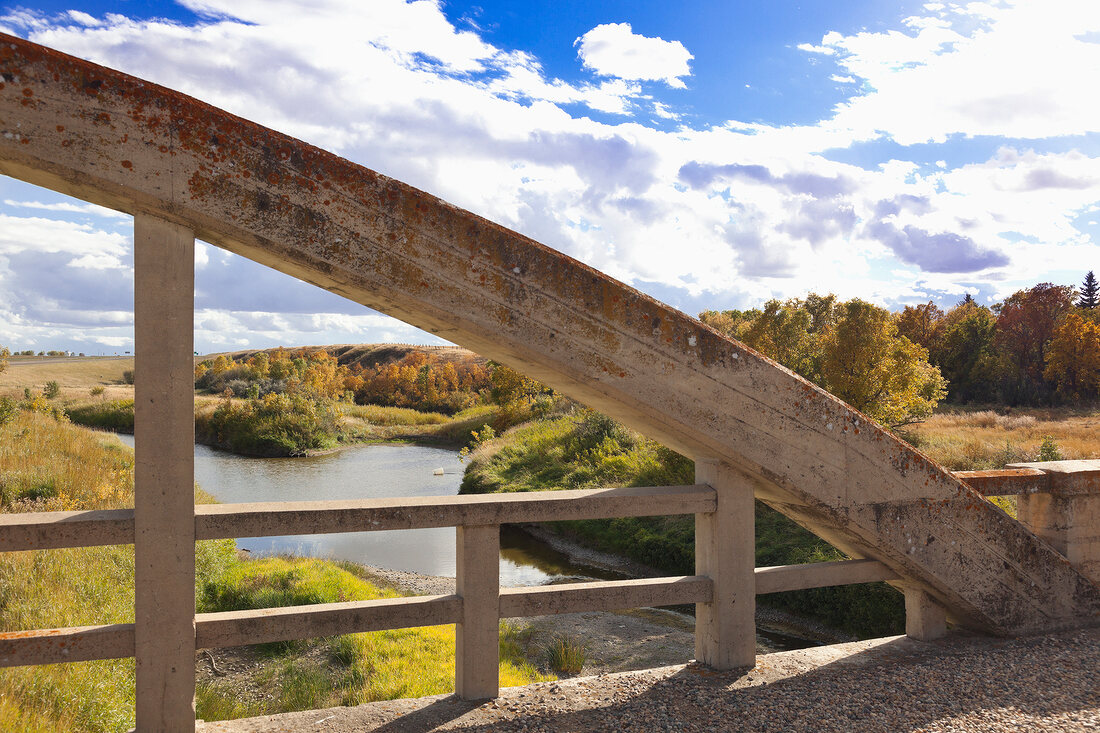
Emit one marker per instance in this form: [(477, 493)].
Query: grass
[(75, 373), (72, 587), (379, 415), (971, 440), (565, 655), (114, 415), (345, 670)]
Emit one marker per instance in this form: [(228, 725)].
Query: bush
[(8, 409), (1049, 450), (272, 425), (96, 391), (128, 376), (52, 390), (565, 655)]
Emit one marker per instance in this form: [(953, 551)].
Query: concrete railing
[(1057, 500), (476, 607)]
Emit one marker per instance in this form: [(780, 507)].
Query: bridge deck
[(959, 683)]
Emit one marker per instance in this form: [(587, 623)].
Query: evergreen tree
[(1090, 292)]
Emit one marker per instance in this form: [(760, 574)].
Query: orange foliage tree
[(1073, 358)]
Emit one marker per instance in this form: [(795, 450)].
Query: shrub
[(96, 391), (52, 390), (8, 408), (1049, 450), (128, 376), (272, 425), (565, 655)]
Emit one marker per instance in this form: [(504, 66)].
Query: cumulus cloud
[(1013, 69), (614, 49)]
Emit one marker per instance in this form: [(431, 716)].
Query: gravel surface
[(960, 683)]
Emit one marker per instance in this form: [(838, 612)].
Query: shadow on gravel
[(1038, 683), (430, 717)]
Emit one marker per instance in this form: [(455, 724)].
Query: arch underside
[(115, 140)]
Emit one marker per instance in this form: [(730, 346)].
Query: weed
[(1048, 450), (565, 655)]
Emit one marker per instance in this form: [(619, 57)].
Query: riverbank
[(619, 641)]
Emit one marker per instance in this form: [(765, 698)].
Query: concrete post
[(1068, 517), (725, 551), (164, 475), (925, 619), (477, 647)]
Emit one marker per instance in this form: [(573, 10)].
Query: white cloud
[(614, 49), (1015, 69), (67, 207)]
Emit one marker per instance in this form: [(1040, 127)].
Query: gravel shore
[(960, 683)]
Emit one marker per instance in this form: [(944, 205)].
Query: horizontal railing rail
[(287, 623), (1006, 481), (54, 530)]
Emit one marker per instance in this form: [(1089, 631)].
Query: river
[(373, 471)]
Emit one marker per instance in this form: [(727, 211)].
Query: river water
[(376, 471)]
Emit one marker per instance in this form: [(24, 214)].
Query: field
[(976, 439), (75, 375)]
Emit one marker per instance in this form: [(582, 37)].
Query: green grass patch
[(114, 415), (349, 670)]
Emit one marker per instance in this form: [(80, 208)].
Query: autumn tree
[(965, 354), (920, 323), (783, 332), (1073, 358), (4, 354), (729, 323), (867, 364), (1090, 292), (1025, 325), (852, 349)]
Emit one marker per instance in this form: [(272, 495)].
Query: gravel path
[(960, 683)]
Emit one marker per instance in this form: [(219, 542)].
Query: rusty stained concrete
[(118, 141)]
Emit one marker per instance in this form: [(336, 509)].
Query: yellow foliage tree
[(869, 366), (1073, 357), (4, 354)]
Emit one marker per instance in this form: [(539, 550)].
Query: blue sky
[(712, 154)]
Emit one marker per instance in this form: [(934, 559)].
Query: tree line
[(1039, 346)]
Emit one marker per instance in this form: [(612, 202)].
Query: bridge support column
[(477, 644), (925, 618), (1068, 517), (725, 551), (164, 475)]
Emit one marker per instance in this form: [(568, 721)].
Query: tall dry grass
[(987, 439), (47, 465), (75, 587)]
